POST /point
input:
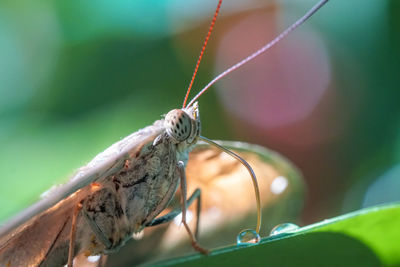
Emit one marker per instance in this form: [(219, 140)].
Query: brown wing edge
[(102, 165)]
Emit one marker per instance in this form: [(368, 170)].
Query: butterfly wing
[(28, 238)]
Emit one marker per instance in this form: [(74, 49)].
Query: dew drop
[(284, 228), (247, 237)]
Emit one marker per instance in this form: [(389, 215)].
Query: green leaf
[(368, 237)]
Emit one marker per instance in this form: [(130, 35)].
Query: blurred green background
[(76, 76)]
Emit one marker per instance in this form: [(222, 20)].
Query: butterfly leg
[(196, 195), (103, 261), (198, 210), (73, 235), (195, 245)]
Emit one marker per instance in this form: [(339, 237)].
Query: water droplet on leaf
[(284, 228), (247, 237)]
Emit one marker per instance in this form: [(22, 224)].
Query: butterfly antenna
[(250, 170), (262, 49), (202, 51)]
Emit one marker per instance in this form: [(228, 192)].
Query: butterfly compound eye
[(178, 125)]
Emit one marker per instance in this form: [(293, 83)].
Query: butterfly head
[(183, 125)]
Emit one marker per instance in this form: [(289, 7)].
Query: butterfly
[(122, 190)]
